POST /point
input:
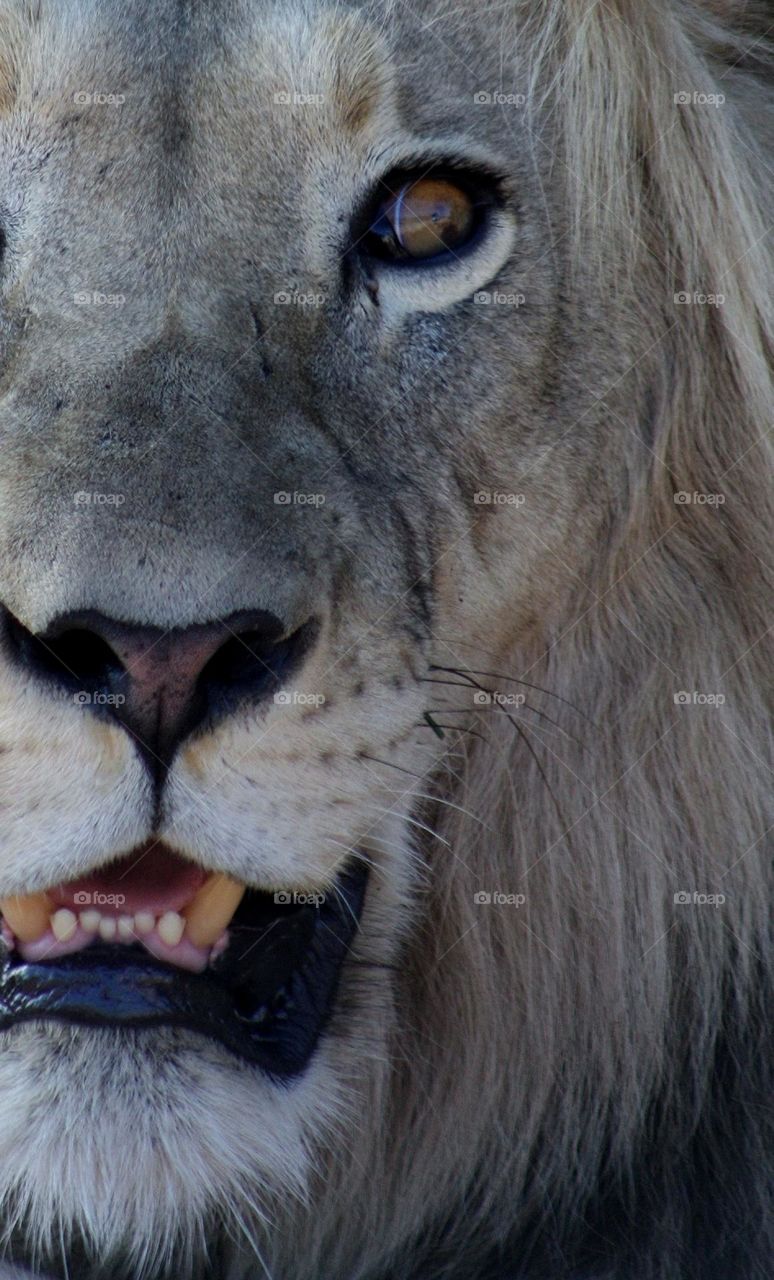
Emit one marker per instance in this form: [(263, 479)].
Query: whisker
[(533, 753), (340, 897), (494, 675), (390, 813), (437, 729), (369, 862), (498, 707), (453, 773), (359, 853), (449, 804), (457, 728), (240, 1222), (390, 765)]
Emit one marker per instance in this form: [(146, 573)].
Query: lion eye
[(423, 219)]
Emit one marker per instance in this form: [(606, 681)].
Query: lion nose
[(153, 680), (160, 685)]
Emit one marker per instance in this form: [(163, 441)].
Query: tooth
[(63, 924), (107, 928), (125, 927), (170, 928), (90, 921), (144, 922), (27, 916), (211, 910)]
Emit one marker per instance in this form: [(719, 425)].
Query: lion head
[(385, 585)]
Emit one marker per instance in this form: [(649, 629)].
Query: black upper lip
[(266, 999)]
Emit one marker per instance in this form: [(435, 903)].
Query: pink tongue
[(152, 879)]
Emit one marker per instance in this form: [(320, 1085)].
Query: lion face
[(296, 417), (254, 451), (227, 420)]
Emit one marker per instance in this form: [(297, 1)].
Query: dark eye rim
[(482, 186)]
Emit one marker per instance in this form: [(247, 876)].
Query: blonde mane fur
[(595, 1027)]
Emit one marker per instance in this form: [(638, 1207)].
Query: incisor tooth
[(211, 910), (28, 916), (107, 928), (63, 924), (90, 920), (125, 927), (144, 922), (170, 928)]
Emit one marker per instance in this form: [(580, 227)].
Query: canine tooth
[(144, 922), (107, 928), (211, 910), (170, 928), (63, 924), (27, 916), (90, 920), (125, 927)]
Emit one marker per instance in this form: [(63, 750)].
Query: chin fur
[(147, 1150)]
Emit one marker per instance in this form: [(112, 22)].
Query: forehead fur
[(320, 55)]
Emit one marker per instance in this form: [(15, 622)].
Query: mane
[(634, 1028)]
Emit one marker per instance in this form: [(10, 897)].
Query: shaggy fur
[(572, 1082)]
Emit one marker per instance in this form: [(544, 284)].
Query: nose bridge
[(173, 418), (159, 476), (146, 413)]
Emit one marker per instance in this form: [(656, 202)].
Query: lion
[(385, 648)]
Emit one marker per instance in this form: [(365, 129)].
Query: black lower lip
[(266, 999)]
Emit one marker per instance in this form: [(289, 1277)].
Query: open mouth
[(153, 940)]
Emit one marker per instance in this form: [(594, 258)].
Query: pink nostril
[(158, 683), (161, 684)]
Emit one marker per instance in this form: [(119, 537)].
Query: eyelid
[(434, 286), (426, 165)]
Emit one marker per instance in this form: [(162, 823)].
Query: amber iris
[(423, 219)]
